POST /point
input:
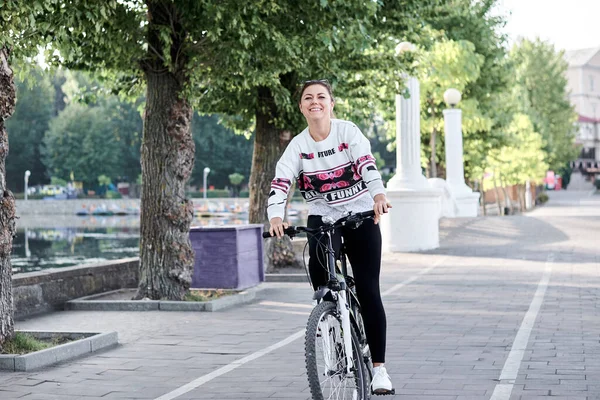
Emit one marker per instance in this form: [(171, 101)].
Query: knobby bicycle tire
[(327, 308)]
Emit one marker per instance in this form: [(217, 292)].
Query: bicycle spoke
[(327, 364), (336, 384)]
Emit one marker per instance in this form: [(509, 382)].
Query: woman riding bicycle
[(335, 171)]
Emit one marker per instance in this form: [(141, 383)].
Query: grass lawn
[(22, 343), (205, 295)]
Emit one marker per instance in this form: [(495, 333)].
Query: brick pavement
[(450, 329)]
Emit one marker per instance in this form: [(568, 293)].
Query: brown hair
[(323, 82)]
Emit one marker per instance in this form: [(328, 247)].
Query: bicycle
[(335, 328)]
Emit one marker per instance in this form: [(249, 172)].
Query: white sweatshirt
[(334, 175)]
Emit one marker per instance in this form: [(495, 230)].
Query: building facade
[(584, 85)]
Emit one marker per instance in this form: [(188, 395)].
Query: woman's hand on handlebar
[(277, 227), (381, 206)]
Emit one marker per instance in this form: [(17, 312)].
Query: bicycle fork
[(345, 314), (343, 307)]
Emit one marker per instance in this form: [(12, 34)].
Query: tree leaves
[(540, 91), (521, 159)]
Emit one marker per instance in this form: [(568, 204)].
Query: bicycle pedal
[(383, 392)]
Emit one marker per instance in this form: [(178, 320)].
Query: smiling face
[(316, 102)]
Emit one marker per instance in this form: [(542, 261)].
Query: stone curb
[(88, 304), (85, 343), (286, 278)]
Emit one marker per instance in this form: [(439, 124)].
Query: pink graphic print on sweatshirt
[(309, 156), (324, 178), (281, 184), (364, 161)]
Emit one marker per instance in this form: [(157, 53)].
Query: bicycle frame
[(342, 302)]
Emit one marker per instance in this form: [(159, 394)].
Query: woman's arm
[(286, 172), (364, 162)]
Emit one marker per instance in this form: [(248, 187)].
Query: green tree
[(220, 149), (127, 126), (477, 22), (236, 180), (58, 181), (520, 159), (104, 181), (431, 26), (123, 117), (26, 128), (298, 41), (85, 141), (58, 80), (14, 26), (540, 91)]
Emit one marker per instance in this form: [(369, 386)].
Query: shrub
[(58, 181), (21, 196), (542, 197), (113, 195), (211, 194), (597, 184)]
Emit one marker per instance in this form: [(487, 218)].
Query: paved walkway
[(505, 309)]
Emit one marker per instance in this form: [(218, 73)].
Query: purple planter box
[(227, 257)]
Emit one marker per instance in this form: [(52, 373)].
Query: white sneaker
[(381, 383)]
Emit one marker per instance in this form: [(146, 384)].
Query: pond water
[(43, 243), (39, 248)]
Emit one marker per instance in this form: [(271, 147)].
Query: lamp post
[(27, 251), (206, 172), (27, 173), (452, 97)]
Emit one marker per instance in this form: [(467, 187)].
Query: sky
[(569, 24)]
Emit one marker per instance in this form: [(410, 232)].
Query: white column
[(408, 140), (467, 201), (455, 170), (413, 222)]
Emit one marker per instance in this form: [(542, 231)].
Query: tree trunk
[(497, 193), (482, 194), (433, 162), (281, 252), (7, 210), (521, 195), (167, 153), (507, 200), (269, 144)]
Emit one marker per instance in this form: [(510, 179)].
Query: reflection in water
[(92, 241), (36, 249)]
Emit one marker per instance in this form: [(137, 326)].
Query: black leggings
[(363, 247)]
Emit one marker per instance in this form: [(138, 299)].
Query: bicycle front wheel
[(326, 362)]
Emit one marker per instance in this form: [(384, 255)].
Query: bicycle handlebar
[(352, 218)]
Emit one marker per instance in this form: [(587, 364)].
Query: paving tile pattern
[(450, 331)]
